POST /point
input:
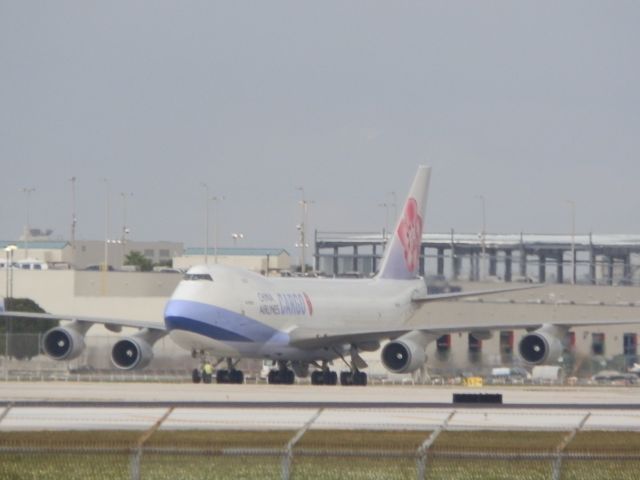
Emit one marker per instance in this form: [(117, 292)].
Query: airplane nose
[(174, 311)]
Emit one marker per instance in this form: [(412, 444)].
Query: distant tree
[(307, 268), (139, 260), (24, 333)]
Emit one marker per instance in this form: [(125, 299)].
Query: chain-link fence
[(176, 461), (442, 450)]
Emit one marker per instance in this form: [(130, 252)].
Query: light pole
[(9, 252), (572, 204), (236, 237), (386, 219), (107, 213), (206, 222), (27, 234), (125, 229), (387, 206), (215, 200), (394, 204), (483, 235), (6, 265), (9, 294), (74, 221), (302, 227)]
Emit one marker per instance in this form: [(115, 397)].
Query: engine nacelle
[(403, 356), (131, 352), (61, 343), (542, 346)]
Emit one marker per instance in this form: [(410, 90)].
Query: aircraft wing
[(304, 337), (474, 293), (111, 323)]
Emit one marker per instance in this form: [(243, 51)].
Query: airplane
[(303, 325)]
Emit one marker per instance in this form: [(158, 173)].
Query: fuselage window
[(198, 276)]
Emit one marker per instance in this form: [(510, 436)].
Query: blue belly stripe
[(203, 328), (215, 322)]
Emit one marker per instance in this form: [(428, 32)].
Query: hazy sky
[(527, 103)]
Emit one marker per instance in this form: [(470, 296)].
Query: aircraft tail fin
[(402, 254)]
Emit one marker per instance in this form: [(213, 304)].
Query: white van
[(30, 264)]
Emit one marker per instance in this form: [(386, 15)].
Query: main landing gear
[(327, 377), (282, 375), (324, 376), (354, 377), (205, 373)]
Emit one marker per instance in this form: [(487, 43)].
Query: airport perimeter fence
[(440, 451), (165, 463)]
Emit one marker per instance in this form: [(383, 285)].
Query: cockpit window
[(198, 276)]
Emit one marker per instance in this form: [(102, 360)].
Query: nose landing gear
[(204, 374)]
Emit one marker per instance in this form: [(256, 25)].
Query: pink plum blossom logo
[(410, 234), (309, 304)]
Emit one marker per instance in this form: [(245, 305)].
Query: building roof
[(237, 251), (34, 245)]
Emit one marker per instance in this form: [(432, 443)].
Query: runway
[(136, 406), (306, 395)]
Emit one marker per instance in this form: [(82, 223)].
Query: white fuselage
[(232, 312)]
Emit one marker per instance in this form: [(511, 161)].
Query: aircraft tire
[(289, 377), (236, 376), (360, 378), (195, 376), (222, 376), (317, 378), (272, 378), (346, 378), (330, 378)]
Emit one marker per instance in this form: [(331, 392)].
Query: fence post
[(421, 461), (288, 451), (136, 455), (557, 462), (6, 411)]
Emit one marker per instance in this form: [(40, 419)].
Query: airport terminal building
[(609, 259)]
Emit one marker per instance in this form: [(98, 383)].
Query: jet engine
[(131, 352), (64, 343), (403, 355), (543, 345)]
